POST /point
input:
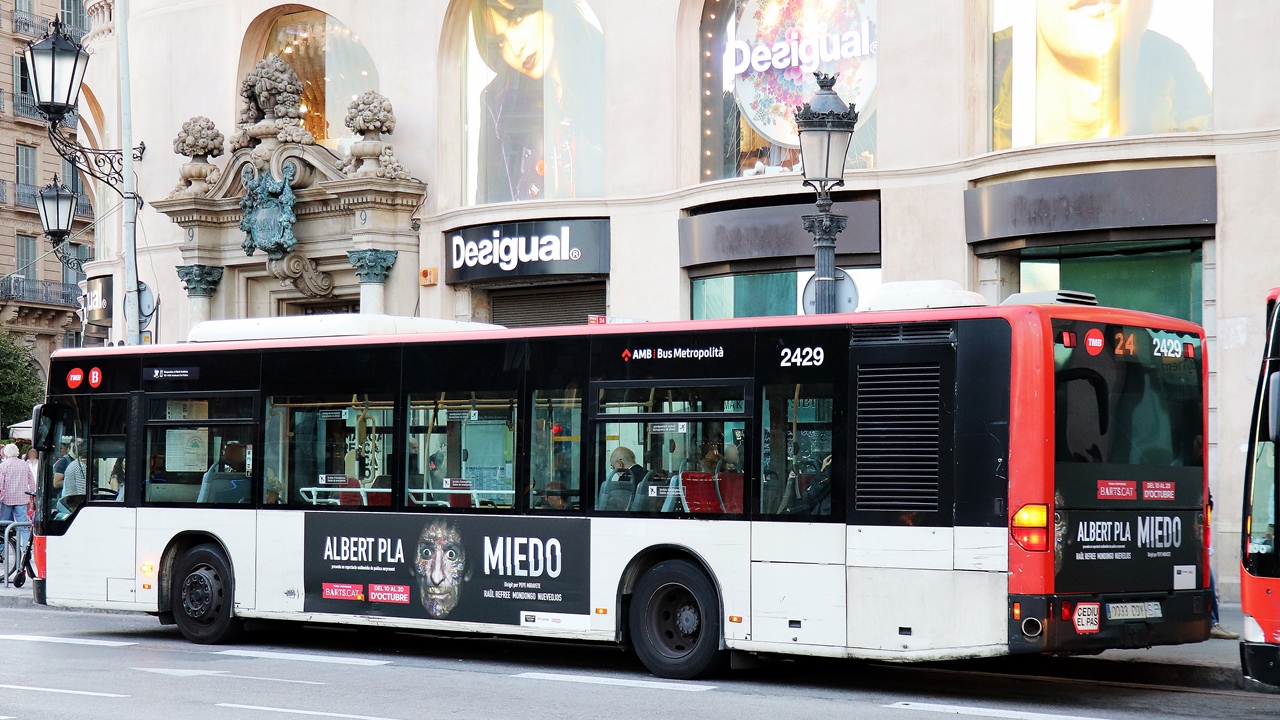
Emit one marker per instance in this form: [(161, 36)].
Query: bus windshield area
[(1127, 395)]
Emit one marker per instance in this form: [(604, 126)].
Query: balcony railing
[(4, 192), (24, 105), (1, 99), (46, 292), (74, 31), (84, 208), (31, 25), (26, 195)]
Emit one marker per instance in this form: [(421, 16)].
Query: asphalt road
[(57, 664)]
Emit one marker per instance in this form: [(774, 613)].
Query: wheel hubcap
[(675, 620), (200, 592)]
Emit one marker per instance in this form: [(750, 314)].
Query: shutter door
[(556, 305)]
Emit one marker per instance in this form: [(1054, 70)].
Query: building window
[(21, 80), (1061, 72), (26, 165), (26, 257), (764, 294), (1165, 281), (757, 64), (333, 65), (71, 178), (74, 16), (534, 93), (70, 276)]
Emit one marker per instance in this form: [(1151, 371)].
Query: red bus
[(901, 485), (1260, 567)]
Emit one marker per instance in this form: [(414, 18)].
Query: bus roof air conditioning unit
[(1052, 297), (917, 294), (331, 325)]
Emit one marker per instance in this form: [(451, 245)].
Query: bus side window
[(796, 450), (107, 449), (461, 450), (329, 451), (555, 451)]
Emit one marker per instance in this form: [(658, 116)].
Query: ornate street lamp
[(826, 126), (56, 65), (57, 206)]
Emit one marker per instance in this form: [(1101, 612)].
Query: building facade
[(39, 295), (549, 160)]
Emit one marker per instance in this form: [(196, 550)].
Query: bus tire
[(201, 596), (674, 620)]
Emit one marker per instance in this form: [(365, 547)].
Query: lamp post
[(56, 65), (826, 127)]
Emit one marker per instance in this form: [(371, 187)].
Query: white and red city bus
[(900, 485), (1259, 565)]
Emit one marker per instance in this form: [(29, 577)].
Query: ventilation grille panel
[(905, 333), (898, 428)]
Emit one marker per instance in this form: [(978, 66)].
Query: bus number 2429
[(802, 356)]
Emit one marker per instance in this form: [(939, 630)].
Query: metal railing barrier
[(12, 528)]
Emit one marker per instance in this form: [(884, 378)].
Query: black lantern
[(57, 206), (56, 65), (826, 127)]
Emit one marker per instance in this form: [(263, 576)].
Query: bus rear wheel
[(674, 621), (201, 597)]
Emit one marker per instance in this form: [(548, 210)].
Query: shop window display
[(1166, 282), (332, 64), (758, 59), (1064, 71), (534, 101), (764, 294)]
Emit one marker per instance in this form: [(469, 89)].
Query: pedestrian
[(15, 483), (33, 461), (1216, 630)]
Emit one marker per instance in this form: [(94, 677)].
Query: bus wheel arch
[(178, 546), (690, 569)]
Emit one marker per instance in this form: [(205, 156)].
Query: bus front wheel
[(674, 621), (201, 596)]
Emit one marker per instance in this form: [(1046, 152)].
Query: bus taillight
[(1030, 527)]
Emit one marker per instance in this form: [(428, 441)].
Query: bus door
[(1260, 568), (798, 576)]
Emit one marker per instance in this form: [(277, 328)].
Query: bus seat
[(460, 500), (640, 500), (380, 499), (224, 488), (700, 494), (731, 487), (674, 494), (615, 494), (351, 492)]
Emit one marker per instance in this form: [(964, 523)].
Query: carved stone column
[(201, 281), (372, 267)]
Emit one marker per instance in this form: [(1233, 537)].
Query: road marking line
[(300, 712), (594, 680), (984, 712), (61, 692), (221, 673), (66, 641), (333, 659)]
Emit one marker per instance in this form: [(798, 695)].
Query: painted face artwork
[(441, 566)]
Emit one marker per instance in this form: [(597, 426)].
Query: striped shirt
[(15, 481), (73, 478)]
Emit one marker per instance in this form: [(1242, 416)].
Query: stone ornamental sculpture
[(272, 107), (199, 140), (268, 212), (370, 116)]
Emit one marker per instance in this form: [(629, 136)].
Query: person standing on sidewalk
[(1216, 630), (15, 483)]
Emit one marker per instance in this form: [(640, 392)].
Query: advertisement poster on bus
[(468, 568), (1126, 551)]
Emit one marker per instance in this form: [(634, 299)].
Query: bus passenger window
[(461, 451), (329, 451), (692, 467), (205, 464), (555, 451), (796, 450), (105, 463)]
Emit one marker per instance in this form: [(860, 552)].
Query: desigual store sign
[(524, 249), (776, 48)]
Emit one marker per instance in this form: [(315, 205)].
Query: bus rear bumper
[(1261, 662), (1184, 619)]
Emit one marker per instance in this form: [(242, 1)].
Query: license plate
[(1134, 611)]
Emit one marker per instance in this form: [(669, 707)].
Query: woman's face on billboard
[(527, 40), (1090, 29)]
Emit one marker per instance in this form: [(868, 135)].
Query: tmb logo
[(1093, 341), (74, 378)]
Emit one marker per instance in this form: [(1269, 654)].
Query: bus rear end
[(1260, 565), (1117, 541)]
